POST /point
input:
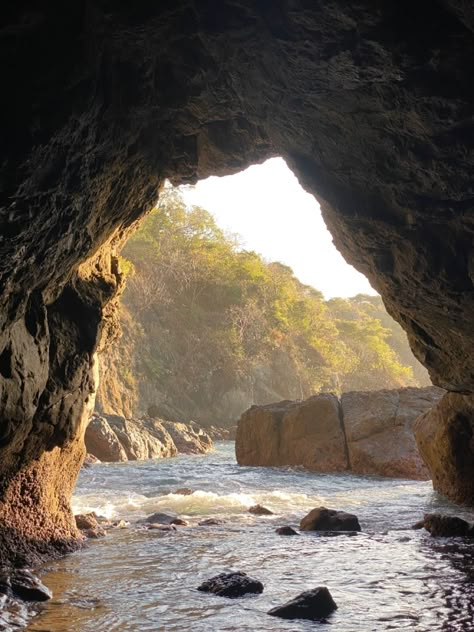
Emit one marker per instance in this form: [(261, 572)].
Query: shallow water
[(387, 578)]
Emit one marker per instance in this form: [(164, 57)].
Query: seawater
[(389, 577)]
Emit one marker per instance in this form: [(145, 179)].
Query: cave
[(370, 104)]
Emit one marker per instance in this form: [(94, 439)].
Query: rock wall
[(370, 105), (308, 433), (445, 438), (364, 432), (115, 438), (379, 430)]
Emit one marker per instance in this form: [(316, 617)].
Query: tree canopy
[(215, 319)]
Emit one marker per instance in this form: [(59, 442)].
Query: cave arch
[(369, 104)]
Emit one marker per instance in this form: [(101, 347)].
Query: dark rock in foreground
[(322, 519), (23, 584), (286, 531), (231, 585), (260, 510), (312, 604), (446, 526)]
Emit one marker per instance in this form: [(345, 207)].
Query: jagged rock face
[(371, 106)]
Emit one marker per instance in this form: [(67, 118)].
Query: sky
[(273, 215)]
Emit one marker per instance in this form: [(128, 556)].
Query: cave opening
[(371, 109)]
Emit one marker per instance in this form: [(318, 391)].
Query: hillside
[(209, 328)]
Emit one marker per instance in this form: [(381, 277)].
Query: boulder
[(447, 526), (312, 604), (138, 442), (444, 436), (115, 438), (307, 433), (322, 519), (102, 442), (379, 430), (188, 438), (159, 518), (231, 585), (90, 460), (23, 584), (86, 521), (210, 522), (260, 510), (90, 526), (286, 531)]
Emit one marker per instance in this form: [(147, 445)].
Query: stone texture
[(311, 604), (371, 106), (445, 438), (232, 585), (188, 438), (102, 442), (447, 526), (322, 519), (23, 584), (141, 442), (307, 433), (379, 430), (115, 438)]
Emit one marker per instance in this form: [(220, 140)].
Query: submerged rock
[(446, 526), (260, 510), (159, 518), (210, 522), (286, 531), (231, 585), (322, 519), (312, 604), (23, 584), (183, 491)]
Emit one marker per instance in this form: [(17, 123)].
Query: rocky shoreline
[(113, 438), (368, 433)]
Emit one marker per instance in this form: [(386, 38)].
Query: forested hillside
[(209, 328)]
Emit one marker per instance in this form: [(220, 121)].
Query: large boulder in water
[(444, 436), (322, 519), (379, 430), (307, 433), (312, 604), (440, 526)]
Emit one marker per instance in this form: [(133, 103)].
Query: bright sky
[(274, 216)]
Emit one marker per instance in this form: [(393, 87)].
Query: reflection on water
[(386, 578)]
